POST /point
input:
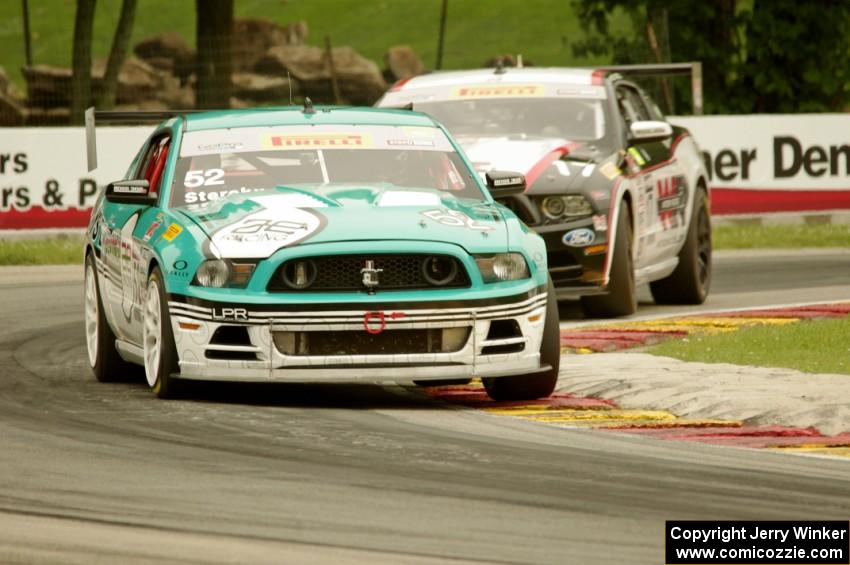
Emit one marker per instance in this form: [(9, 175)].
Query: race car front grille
[(388, 342), (369, 272)]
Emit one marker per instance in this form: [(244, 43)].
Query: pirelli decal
[(318, 141), (499, 91)]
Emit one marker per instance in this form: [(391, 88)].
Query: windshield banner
[(299, 138)]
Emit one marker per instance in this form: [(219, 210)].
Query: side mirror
[(130, 192), (650, 130), (505, 183)]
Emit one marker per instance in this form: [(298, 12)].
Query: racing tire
[(621, 298), (690, 281), (160, 354), (534, 385), (104, 360), (444, 382)]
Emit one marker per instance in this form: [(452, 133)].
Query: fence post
[(27, 36), (334, 82), (442, 37)]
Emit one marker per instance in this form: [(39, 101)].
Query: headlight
[(218, 273), (574, 205), (553, 207), (502, 267)]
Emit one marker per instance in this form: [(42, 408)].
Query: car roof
[(506, 75), (295, 115)]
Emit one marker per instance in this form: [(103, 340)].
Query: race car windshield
[(216, 163), (574, 119)]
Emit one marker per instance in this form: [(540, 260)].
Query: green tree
[(758, 56), (117, 54), (798, 56), (81, 60), (215, 32)]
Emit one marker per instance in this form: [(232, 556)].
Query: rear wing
[(692, 69), (93, 116)]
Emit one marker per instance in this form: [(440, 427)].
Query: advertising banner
[(774, 163), (43, 178)]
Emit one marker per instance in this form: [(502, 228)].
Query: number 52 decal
[(210, 177)]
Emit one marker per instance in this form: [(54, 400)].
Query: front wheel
[(158, 340), (534, 385), (621, 298), (104, 360), (689, 283)]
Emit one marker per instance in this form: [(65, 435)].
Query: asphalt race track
[(748, 279), (107, 473)]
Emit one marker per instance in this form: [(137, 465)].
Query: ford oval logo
[(579, 237)]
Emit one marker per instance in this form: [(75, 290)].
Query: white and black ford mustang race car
[(619, 194)]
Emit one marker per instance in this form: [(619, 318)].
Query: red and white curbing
[(583, 410)]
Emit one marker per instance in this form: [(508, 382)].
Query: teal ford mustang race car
[(316, 245)]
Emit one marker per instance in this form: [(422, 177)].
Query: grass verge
[(781, 237), (59, 251), (819, 346)]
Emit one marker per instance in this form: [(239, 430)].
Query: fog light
[(291, 343), (453, 339)]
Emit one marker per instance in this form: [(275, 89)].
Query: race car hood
[(257, 225), (528, 155)]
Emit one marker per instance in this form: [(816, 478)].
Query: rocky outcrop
[(401, 62), (252, 38), (48, 86), (148, 106), (137, 82), (168, 52), (270, 64), (4, 80), (360, 80), (12, 110), (48, 116), (170, 45), (263, 88)]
